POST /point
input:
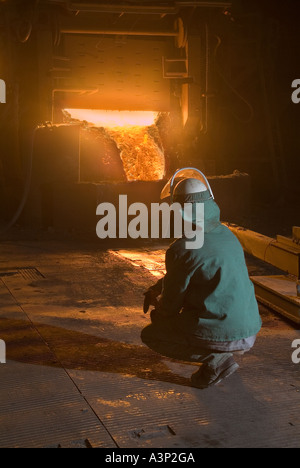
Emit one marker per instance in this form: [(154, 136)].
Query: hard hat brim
[(181, 174)]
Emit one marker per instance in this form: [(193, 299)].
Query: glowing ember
[(136, 136), (142, 158)]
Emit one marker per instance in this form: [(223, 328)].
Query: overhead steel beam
[(117, 32), (82, 24), (145, 9), (119, 8), (208, 4)]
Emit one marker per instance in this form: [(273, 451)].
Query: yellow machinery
[(279, 292)]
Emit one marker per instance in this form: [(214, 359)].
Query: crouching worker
[(207, 310)]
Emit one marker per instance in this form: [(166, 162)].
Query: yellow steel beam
[(282, 252)]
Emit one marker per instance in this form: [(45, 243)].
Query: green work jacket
[(207, 292)]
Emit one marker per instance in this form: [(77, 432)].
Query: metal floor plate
[(77, 375), (41, 407), (258, 407)]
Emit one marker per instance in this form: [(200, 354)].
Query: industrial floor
[(77, 374)]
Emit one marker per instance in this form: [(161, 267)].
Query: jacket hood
[(211, 215)]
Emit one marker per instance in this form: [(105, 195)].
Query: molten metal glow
[(142, 158), (152, 260), (136, 137), (114, 119)]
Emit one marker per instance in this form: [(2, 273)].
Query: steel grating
[(27, 273)]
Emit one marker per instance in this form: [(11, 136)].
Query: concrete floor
[(77, 374)]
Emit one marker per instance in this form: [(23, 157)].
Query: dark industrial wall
[(20, 114), (252, 123)]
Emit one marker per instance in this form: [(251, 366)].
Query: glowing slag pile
[(135, 135), (141, 154)]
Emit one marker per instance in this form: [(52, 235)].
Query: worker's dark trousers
[(164, 340)]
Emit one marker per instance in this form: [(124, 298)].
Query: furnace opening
[(120, 145)]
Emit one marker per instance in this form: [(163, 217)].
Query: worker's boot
[(207, 376)]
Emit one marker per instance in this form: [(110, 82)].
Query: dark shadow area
[(46, 345), (56, 347)]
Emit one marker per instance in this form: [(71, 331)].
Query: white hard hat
[(187, 185)]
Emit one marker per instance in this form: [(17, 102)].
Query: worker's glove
[(150, 299)]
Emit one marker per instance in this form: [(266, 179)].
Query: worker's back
[(210, 287)]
